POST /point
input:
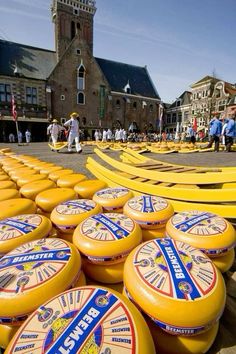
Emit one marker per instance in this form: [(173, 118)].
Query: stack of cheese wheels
[(16, 206), (112, 199), (69, 181), (151, 213), (31, 190), (33, 273), (176, 285), (20, 229), (214, 235), (85, 320), (87, 189), (49, 199), (105, 240), (68, 215)]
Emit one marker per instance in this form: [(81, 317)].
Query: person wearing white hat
[(54, 130), (73, 126)]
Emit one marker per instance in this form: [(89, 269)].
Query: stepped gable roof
[(31, 62), (119, 74)]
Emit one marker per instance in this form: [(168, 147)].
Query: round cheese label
[(199, 223), (17, 226), (112, 193), (75, 207), (31, 265), (107, 227), (175, 269), (84, 320), (147, 204)]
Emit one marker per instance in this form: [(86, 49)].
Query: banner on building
[(102, 102)]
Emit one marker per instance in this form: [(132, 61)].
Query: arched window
[(81, 77), (151, 107), (117, 103), (81, 98), (134, 106), (73, 30), (84, 121)]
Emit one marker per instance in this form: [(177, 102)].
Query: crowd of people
[(223, 131)]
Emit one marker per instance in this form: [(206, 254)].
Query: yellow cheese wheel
[(22, 171), (12, 167), (105, 273), (31, 190), (16, 206), (86, 189), (39, 166), (11, 193), (25, 179), (18, 174), (211, 233), (68, 215), (33, 273), (54, 176), (163, 275), (149, 211), (150, 234), (107, 238), (166, 343), (20, 229), (5, 150), (50, 198), (84, 320), (4, 178), (225, 262), (6, 334), (7, 184), (112, 199), (69, 181), (81, 281), (47, 170)]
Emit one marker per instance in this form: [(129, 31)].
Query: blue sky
[(180, 41)]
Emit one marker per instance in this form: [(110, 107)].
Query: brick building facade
[(48, 84)]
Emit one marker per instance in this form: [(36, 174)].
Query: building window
[(84, 120), (151, 107), (81, 98), (5, 93), (168, 118), (78, 51), (174, 118), (81, 78), (31, 95), (62, 97), (118, 104), (134, 106), (72, 35)]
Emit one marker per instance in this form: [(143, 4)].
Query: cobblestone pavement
[(77, 162)]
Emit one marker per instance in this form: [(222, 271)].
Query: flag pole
[(17, 131)]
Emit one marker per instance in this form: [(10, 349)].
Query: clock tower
[(72, 18)]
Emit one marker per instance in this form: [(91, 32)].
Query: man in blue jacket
[(230, 133), (215, 132)]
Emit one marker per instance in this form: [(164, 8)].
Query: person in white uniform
[(27, 136), (54, 130), (73, 126)]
